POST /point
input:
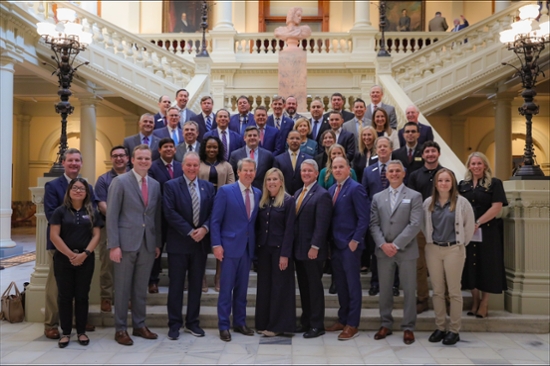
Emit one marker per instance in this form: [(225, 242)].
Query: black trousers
[(312, 295), (73, 283)]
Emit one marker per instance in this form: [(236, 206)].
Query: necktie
[(208, 123), (247, 201), (195, 203), (393, 198), (335, 197), (189, 147), (144, 191), (170, 171), (175, 136), (278, 123), (410, 155), (224, 142), (145, 140), (383, 177), (300, 199), (252, 154), (315, 129), (262, 135), (165, 121), (243, 125), (293, 156)]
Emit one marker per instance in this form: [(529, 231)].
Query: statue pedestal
[(293, 75)]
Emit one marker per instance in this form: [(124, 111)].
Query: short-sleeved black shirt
[(421, 180), (76, 231)]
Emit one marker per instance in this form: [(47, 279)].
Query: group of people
[(288, 193)]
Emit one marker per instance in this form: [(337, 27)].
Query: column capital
[(23, 118), (87, 99), (505, 97), (8, 59)]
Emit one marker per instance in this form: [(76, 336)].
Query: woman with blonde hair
[(308, 146), (326, 179), (484, 268), (366, 150), (381, 123), (448, 228), (276, 296)]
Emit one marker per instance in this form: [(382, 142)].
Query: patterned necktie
[(208, 123), (170, 171), (315, 129), (175, 136), (393, 198), (300, 199), (278, 123), (293, 158), (243, 125), (144, 191), (195, 203), (335, 197), (224, 142), (383, 177), (247, 201), (189, 147), (145, 140)]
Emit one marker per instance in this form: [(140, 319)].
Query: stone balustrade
[(182, 44), (406, 43), (319, 42)]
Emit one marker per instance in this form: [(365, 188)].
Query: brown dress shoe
[(382, 333), (335, 327), (348, 333), (153, 288), (90, 327), (106, 306), (144, 333), (408, 337), (123, 338), (421, 306), (52, 333), (204, 284)]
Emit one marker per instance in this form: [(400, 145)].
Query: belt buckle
[(76, 251)]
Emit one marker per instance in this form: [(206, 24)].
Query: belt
[(445, 243)]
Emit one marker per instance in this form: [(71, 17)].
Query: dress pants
[(407, 271), (233, 289), (73, 283), (422, 290), (131, 280), (51, 312), (178, 266), (347, 274), (371, 247), (312, 295), (157, 264), (106, 268)]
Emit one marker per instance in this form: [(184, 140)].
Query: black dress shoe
[(332, 289), (437, 336), (314, 333), (395, 291), (451, 338), (243, 329), (301, 329), (373, 291), (225, 335)]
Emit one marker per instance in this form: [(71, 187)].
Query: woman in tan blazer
[(219, 172)]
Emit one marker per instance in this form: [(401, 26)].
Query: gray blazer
[(351, 126), (129, 219), (181, 149), (188, 115), (390, 110), (131, 142), (399, 226)]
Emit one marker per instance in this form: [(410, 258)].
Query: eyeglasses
[(119, 156), (78, 189), (409, 131)]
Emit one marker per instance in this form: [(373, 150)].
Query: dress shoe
[(382, 333), (173, 334), (373, 291), (301, 329), (395, 291), (408, 337), (335, 327), (225, 335), (421, 306), (314, 333), (90, 327), (194, 330), (451, 338), (52, 333), (64, 341), (204, 284), (153, 288), (83, 339), (123, 338), (106, 306), (243, 329), (268, 333), (348, 333), (364, 269), (437, 336), (332, 289), (144, 333)]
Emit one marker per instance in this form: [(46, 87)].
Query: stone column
[(503, 135), (223, 14), (88, 137), (363, 33), (458, 136), (362, 14), (223, 34), (501, 5), (20, 192)]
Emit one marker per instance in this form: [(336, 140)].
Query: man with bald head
[(145, 137), (426, 132)]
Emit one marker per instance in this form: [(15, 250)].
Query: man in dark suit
[(337, 102), (238, 122), (160, 118), (144, 137), (182, 97), (233, 238), (187, 205), (343, 137), (313, 217), (457, 26), (231, 140), (376, 94), (396, 219), (190, 143), (134, 212), (173, 130), (359, 120), (279, 121), (262, 157), (206, 120), (289, 163), (291, 108), (426, 132), (319, 123), (350, 220), (183, 26), (268, 134), (410, 154)]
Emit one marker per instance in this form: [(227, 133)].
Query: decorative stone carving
[(293, 33)]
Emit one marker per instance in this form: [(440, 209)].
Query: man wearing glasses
[(425, 131)]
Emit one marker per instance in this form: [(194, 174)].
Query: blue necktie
[(146, 140), (175, 136), (315, 129), (208, 123)]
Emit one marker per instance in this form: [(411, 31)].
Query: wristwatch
[(87, 252), (478, 223)]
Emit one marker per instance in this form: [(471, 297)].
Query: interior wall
[(125, 14), (150, 16)]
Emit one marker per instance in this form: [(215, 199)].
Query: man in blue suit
[(279, 121), (187, 205), (206, 119), (289, 163), (350, 220), (343, 137), (231, 140), (182, 97), (319, 123), (232, 233), (244, 118), (268, 134), (172, 130), (426, 132), (161, 120)]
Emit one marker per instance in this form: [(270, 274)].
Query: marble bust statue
[(293, 32)]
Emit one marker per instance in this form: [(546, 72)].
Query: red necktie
[(252, 154), (170, 171), (247, 201), (144, 191), (336, 193)]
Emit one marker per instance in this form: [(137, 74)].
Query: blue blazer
[(287, 124), (235, 140), (271, 136), (230, 226), (371, 181), (178, 213), (265, 162), (309, 148), (159, 172), (293, 178), (163, 133), (199, 119), (322, 128), (235, 123), (426, 134), (159, 121), (350, 215)]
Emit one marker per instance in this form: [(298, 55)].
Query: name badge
[(406, 200), (417, 158), (85, 217)]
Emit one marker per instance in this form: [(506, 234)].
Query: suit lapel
[(307, 198), (400, 197), (136, 186), (239, 197)]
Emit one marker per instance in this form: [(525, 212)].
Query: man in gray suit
[(359, 120), (190, 143), (396, 219), (134, 241), (145, 136), (376, 94)]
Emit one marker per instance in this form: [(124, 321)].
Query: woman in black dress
[(276, 297), (484, 267), (74, 230)]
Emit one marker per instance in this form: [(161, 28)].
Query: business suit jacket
[(159, 121), (271, 136), (287, 124), (461, 26), (351, 125), (416, 163), (199, 119), (350, 218), (129, 219), (189, 114), (181, 149), (224, 170), (426, 134), (372, 182), (265, 162), (345, 114), (324, 125), (164, 133), (131, 142), (293, 178), (235, 140), (347, 140), (309, 147), (235, 123), (159, 172), (438, 24), (279, 231), (390, 110), (360, 163)]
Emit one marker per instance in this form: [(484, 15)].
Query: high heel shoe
[(64, 344), (483, 311)]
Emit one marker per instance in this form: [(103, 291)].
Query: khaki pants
[(51, 312), (106, 269), (445, 265), (422, 290)]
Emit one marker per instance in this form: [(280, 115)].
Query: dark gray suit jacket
[(131, 142), (390, 110)]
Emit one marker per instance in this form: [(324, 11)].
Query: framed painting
[(183, 16), (405, 16)]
